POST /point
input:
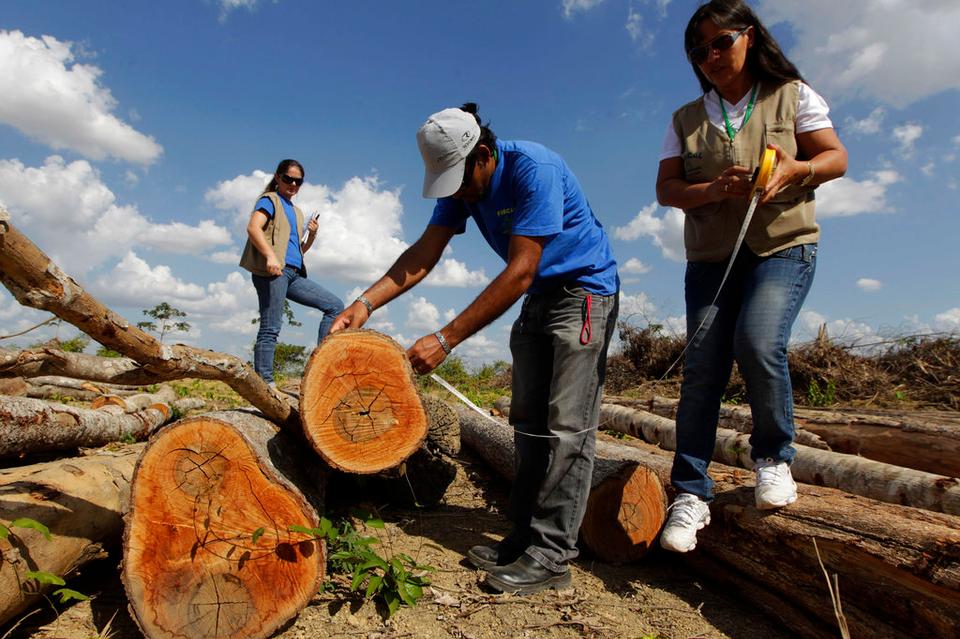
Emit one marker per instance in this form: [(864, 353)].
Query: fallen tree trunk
[(82, 384), (627, 504), (133, 403), (885, 482), (80, 500), (925, 440), (60, 393), (13, 386), (736, 418), (208, 550), (898, 567), (32, 425), (359, 404), (39, 283)]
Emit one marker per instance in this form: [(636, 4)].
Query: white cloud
[(636, 307), (450, 272), (479, 349), (360, 233), (62, 206), (844, 331), (948, 321), (225, 257), (634, 267), (892, 50), (906, 136), (869, 125), (422, 316), (634, 26), (571, 7), (226, 6), (131, 178), (239, 323), (869, 285), (135, 283), (51, 98), (845, 196), (666, 231)]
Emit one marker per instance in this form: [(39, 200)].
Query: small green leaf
[(4, 532), (26, 522), (302, 529), (393, 602), (375, 523), (66, 594), (358, 578), (45, 577), (257, 534), (373, 586)]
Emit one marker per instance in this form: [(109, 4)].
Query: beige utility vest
[(277, 231), (710, 231)]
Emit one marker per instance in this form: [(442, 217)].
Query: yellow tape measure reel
[(768, 164)]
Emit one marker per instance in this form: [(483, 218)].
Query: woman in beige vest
[(274, 256), (753, 98)]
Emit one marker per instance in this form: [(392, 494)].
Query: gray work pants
[(558, 372)]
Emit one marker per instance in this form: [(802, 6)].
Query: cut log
[(80, 500), (82, 384), (60, 393), (133, 403), (39, 283), (32, 425), (208, 550), (925, 440), (898, 567), (359, 404), (858, 475), (627, 504), (13, 386)]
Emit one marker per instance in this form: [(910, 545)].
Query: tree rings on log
[(208, 551), (625, 513), (358, 402)]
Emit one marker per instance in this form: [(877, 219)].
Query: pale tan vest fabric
[(277, 231), (710, 231)]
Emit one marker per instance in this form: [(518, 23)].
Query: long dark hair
[(281, 170), (766, 62)]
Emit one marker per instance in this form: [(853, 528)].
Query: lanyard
[(726, 121)]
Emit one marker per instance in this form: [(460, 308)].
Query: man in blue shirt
[(529, 207)]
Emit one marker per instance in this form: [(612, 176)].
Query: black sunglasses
[(288, 179), (698, 55)]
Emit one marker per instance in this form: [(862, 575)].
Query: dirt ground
[(658, 597)]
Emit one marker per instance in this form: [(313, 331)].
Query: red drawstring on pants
[(586, 330)]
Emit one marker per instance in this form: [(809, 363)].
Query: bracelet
[(811, 172), (443, 342), (363, 300)]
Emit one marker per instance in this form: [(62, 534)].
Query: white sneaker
[(775, 485), (688, 514)]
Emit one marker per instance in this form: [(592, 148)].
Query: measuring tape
[(768, 164)]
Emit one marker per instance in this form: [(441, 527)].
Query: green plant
[(167, 317), (824, 397), (103, 351), (41, 576), (396, 579)]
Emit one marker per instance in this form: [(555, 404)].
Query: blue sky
[(135, 137)]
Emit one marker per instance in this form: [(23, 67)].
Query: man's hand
[(426, 354), (354, 316)]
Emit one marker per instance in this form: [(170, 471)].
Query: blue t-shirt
[(534, 193), (294, 256)]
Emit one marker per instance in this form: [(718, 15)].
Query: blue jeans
[(557, 384), (271, 293), (751, 323)]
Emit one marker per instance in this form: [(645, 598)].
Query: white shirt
[(812, 115)]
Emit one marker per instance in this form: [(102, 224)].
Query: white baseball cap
[(445, 140)]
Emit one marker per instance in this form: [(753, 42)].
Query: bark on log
[(207, 548), (60, 393), (13, 386), (80, 500), (39, 283), (925, 440), (627, 504), (82, 384), (32, 425), (359, 404), (857, 475), (736, 418), (133, 403)]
